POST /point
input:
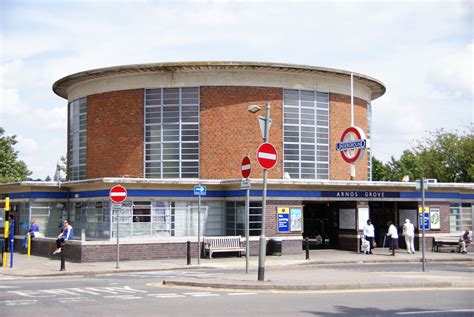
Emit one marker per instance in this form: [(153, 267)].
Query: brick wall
[(115, 134), (229, 131), (339, 120)]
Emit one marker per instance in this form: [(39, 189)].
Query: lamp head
[(254, 108)]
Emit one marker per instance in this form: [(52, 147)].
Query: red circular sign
[(352, 145), (118, 194), (267, 155), (246, 167)]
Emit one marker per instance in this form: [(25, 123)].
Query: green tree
[(380, 171), (445, 156), (448, 157), (11, 169)]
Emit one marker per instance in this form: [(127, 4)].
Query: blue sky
[(421, 50)]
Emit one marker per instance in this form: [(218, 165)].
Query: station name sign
[(343, 146), (358, 194)]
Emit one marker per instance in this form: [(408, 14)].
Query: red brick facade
[(339, 120), (228, 132), (115, 134)]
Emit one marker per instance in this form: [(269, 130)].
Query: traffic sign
[(267, 155), (199, 190), (245, 183), (246, 167), (118, 194)]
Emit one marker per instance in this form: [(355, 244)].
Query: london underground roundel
[(352, 145)]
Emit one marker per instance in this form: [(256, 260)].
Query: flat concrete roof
[(61, 86)]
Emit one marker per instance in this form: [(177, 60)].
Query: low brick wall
[(102, 251)]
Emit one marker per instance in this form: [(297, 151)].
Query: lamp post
[(262, 240)]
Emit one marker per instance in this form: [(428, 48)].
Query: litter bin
[(275, 246)]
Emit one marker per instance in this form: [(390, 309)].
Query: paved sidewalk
[(288, 272)]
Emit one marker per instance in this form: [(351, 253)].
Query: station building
[(159, 130)]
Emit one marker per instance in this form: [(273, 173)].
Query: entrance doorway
[(320, 225), (382, 212)]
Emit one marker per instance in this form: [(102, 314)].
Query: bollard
[(29, 245), (188, 253), (63, 260), (307, 248)]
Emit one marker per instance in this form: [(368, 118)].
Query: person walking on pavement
[(464, 240), (409, 234), (393, 234), (66, 234), (369, 235)]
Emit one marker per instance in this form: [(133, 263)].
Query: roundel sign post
[(352, 145), (267, 155), (246, 167), (118, 194)]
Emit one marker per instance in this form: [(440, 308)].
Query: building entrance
[(383, 212), (320, 225)]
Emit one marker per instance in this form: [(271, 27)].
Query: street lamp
[(265, 135)]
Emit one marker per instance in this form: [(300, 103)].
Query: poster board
[(362, 217), (296, 218), (435, 219), (347, 219)]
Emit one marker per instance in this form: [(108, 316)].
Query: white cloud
[(452, 74)]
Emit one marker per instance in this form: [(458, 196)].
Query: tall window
[(77, 161), (306, 134), (172, 133), (460, 217), (235, 218)]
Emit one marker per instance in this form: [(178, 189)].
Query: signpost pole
[(422, 185), (117, 208), (117, 195), (247, 215), (262, 246), (199, 229)]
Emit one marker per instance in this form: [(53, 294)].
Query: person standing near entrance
[(369, 235), (409, 234), (393, 234)]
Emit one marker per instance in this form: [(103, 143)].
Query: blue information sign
[(283, 220), (199, 190), (427, 221)]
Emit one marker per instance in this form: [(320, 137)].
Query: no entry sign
[(267, 155), (246, 167), (118, 194)]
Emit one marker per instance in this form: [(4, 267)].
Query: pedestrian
[(464, 240), (66, 234), (11, 232), (409, 234), (393, 234), (32, 232), (369, 235)]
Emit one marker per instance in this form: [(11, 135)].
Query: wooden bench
[(439, 243), (223, 244)]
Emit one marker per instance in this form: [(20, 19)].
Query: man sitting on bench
[(464, 240)]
